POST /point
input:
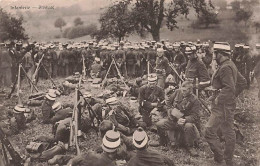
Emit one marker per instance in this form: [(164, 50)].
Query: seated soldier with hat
[(183, 119), (46, 107), (150, 96), (16, 121), (111, 141), (144, 155), (120, 115), (60, 112)]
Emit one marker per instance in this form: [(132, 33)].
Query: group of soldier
[(177, 73)]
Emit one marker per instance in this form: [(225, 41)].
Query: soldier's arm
[(203, 73), (194, 112), (228, 83)]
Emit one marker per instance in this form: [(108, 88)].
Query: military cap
[(190, 49), (51, 96), (121, 43), (87, 94), (257, 45), (222, 47), (56, 106), (111, 141), (19, 109), (152, 77), (246, 47), (140, 138), (112, 101)]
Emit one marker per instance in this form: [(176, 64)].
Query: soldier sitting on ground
[(46, 107), (183, 118)]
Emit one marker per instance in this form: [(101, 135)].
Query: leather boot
[(50, 153)]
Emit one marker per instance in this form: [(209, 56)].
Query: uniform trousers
[(222, 117)]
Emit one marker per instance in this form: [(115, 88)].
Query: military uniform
[(47, 112), (189, 106), (222, 113), (131, 62), (151, 58), (147, 96), (162, 66), (5, 67), (197, 69)]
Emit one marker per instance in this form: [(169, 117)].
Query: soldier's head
[(50, 97), (222, 52), (87, 96), (246, 49), (160, 52), (190, 51), (140, 139), (187, 88), (152, 80), (104, 126)]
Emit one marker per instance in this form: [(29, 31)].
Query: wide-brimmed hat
[(140, 138), (87, 94), (111, 141)]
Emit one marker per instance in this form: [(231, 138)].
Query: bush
[(79, 31)]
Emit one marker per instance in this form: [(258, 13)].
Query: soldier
[(111, 141), (185, 126), (131, 62), (46, 107), (162, 66), (5, 67), (151, 58), (223, 105), (150, 96), (97, 71), (54, 56), (196, 68), (64, 61), (145, 156), (246, 64)]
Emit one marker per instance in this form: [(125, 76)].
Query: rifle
[(37, 69), (84, 67), (16, 158), (175, 71), (53, 83)]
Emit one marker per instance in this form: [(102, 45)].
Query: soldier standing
[(131, 62), (223, 107), (162, 66), (196, 68), (5, 67)]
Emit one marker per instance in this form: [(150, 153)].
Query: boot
[(50, 153)]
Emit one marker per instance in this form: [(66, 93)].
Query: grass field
[(227, 30)]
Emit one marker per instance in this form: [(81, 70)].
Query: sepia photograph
[(129, 82)]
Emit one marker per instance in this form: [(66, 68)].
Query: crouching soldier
[(183, 118), (150, 96), (16, 122), (60, 112), (120, 115)]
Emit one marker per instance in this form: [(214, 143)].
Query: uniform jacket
[(147, 96), (92, 159), (197, 69), (189, 106), (5, 59), (149, 157), (225, 79)]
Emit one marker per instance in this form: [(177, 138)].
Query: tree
[(207, 17), (150, 14), (59, 23), (116, 21), (11, 28), (243, 15), (78, 21)]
